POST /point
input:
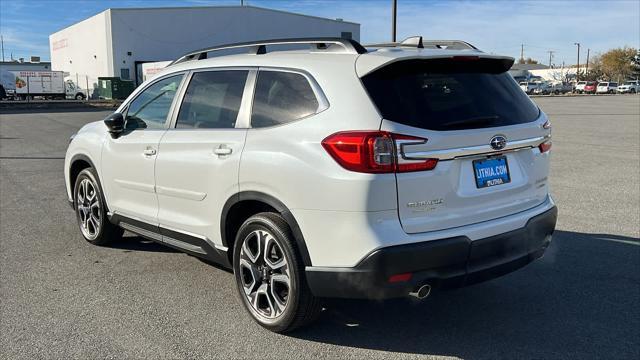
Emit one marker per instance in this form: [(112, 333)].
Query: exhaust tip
[(422, 292)]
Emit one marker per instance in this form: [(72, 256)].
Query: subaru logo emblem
[(498, 142)]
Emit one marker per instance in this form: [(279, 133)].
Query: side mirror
[(115, 124)]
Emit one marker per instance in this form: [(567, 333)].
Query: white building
[(116, 42)]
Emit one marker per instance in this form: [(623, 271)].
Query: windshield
[(441, 94)]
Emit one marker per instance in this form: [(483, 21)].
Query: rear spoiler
[(473, 61)]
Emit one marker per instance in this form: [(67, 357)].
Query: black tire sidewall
[(89, 173), (283, 238)]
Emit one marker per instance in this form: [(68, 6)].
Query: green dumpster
[(114, 88)]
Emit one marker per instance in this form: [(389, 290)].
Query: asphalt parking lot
[(61, 297)]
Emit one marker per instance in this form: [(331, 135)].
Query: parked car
[(607, 87), (589, 87), (632, 87), (547, 88), (579, 88), (325, 173), (529, 86)]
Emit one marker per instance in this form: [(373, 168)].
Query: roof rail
[(260, 47), (418, 42)]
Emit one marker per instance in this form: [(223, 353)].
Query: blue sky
[(498, 26)]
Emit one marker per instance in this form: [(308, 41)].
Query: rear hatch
[(484, 131)]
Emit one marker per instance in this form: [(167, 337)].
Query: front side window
[(150, 109), (281, 97), (212, 100)]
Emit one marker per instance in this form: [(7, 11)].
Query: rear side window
[(212, 100), (446, 94), (281, 97)]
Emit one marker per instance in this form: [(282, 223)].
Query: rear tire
[(270, 275), (91, 210)]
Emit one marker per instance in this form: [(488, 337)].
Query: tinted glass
[(281, 97), (450, 95), (150, 109), (212, 100)]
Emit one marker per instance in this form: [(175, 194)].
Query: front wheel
[(270, 275), (91, 210)]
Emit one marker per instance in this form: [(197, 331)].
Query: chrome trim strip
[(455, 153), (140, 231), (182, 245)]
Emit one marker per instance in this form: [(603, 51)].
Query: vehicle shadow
[(131, 242), (579, 301)]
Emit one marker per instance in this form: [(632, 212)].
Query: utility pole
[(2, 43), (550, 56), (586, 69), (522, 53), (394, 16), (578, 64)]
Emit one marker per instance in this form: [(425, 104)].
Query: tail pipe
[(421, 292)]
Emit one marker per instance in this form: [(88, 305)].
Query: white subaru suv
[(336, 170)]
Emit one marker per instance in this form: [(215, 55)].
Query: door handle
[(222, 150), (149, 152)]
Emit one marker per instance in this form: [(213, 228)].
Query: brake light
[(373, 152), (545, 146)]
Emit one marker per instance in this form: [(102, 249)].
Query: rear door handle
[(222, 150), (149, 152)]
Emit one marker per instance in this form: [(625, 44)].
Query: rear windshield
[(446, 94)]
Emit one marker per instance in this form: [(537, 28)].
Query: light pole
[(394, 16), (586, 68), (578, 65)]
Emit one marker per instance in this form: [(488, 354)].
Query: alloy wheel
[(264, 273), (88, 209)]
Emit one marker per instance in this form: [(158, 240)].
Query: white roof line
[(207, 7), (236, 7)]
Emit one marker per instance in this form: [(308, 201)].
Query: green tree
[(635, 71)]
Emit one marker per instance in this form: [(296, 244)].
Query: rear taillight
[(545, 146), (373, 152)]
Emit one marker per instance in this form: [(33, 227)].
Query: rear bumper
[(446, 263)]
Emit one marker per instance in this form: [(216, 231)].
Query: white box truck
[(23, 85)]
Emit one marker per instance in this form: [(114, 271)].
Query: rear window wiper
[(471, 121)]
